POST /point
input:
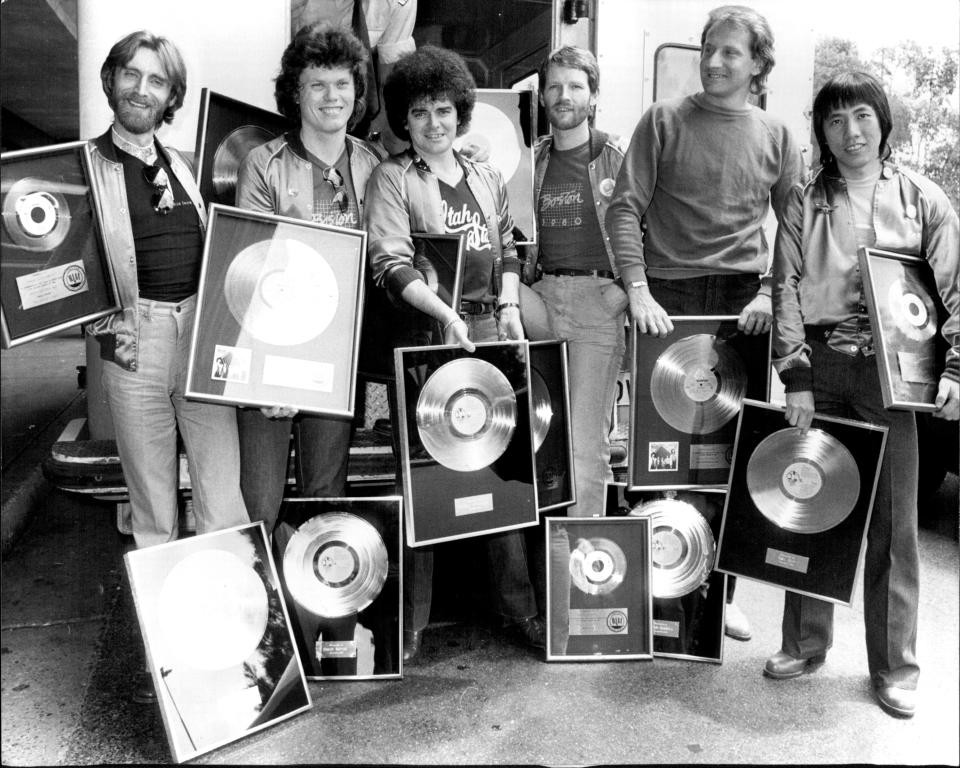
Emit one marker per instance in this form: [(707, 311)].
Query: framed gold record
[(686, 394), (466, 440), (227, 130), (798, 508), (905, 316), (55, 273), (278, 313), (550, 420)]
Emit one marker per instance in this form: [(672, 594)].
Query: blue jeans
[(850, 387), (588, 312), (147, 406)]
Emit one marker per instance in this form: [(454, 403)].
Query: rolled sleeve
[(791, 354)]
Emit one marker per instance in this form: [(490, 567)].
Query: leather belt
[(475, 308), (580, 272)]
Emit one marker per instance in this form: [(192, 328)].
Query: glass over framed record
[(227, 130), (217, 637), (503, 125), (340, 562), (466, 441), (687, 390), (278, 313), (599, 598), (799, 505), (54, 270), (550, 420), (905, 315)]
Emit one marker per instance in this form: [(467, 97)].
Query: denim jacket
[(817, 281), (403, 196), (119, 333), (605, 158)]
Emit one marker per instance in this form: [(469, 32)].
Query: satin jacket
[(605, 159), (817, 280), (403, 197), (119, 333)]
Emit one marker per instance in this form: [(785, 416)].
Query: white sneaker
[(735, 624)]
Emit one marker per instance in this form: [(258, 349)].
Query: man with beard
[(154, 223)]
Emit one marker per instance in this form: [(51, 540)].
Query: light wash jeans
[(147, 406), (589, 313)]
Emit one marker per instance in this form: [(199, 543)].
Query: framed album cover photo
[(278, 313), (340, 563), (466, 442), (55, 272), (798, 507), (217, 637), (227, 129), (905, 315), (687, 390), (550, 415), (599, 599)]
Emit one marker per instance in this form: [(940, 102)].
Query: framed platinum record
[(217, 637), (340, 562), (799, 505), (466, 442), (550, 419), (278, 313), (55, 272), (599, 581)]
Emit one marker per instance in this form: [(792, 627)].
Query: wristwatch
[(638, 284)]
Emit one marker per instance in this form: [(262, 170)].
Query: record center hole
[(917, 313), (37, 213), (599, 565), (336, 564)]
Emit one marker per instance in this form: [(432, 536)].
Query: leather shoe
[(898, 702), (530, 631), (735, 624), (411, 644), (144, 692), (782, 666)]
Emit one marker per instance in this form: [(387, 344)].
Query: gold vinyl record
[(230, 154), (36, 216), (803, 483), (912, 309), (466, 414), (494, 133), (281, 291), (335, 564), (597, 566), (698, 384), (542, 408), (682, 546)]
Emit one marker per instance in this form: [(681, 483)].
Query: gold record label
[(597, 566), (913, 312), (35, 215)]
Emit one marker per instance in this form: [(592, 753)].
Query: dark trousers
[(850, 387)]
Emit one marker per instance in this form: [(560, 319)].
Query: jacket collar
[(108, 149), (598, 139)]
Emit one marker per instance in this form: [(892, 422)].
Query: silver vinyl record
[(803, 483), (912, 309), (542, 413), (335, 564), (495, 134), (230, 154), (466, 414), (281, 291), (682, 546), (698, 384), (597, 566), (35, 216)]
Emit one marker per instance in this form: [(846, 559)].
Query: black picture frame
[(755, 540), (55, 271), (278, 313), (550, 390)]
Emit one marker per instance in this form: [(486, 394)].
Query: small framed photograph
[(905, 316), (55, 271), (550, 414), (227, 130), (686, 394), (798, 508), (599, 599), (341, 565), (217, 637), (440, 259), (466, 442), (278, 313)]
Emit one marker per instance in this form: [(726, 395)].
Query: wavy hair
[(122, 53), (761, 38)]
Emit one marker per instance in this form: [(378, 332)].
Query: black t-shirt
[(461, 214)]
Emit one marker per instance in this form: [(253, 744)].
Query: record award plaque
[(217, 637), (503, 126), (466, 440), (55, 273), (278, 313), (687, 390), (905, 314), (799, 504), (550, 420), (598, 589), (340, 561), (227, 130)]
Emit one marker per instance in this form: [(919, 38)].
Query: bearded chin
[(137, 121)]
